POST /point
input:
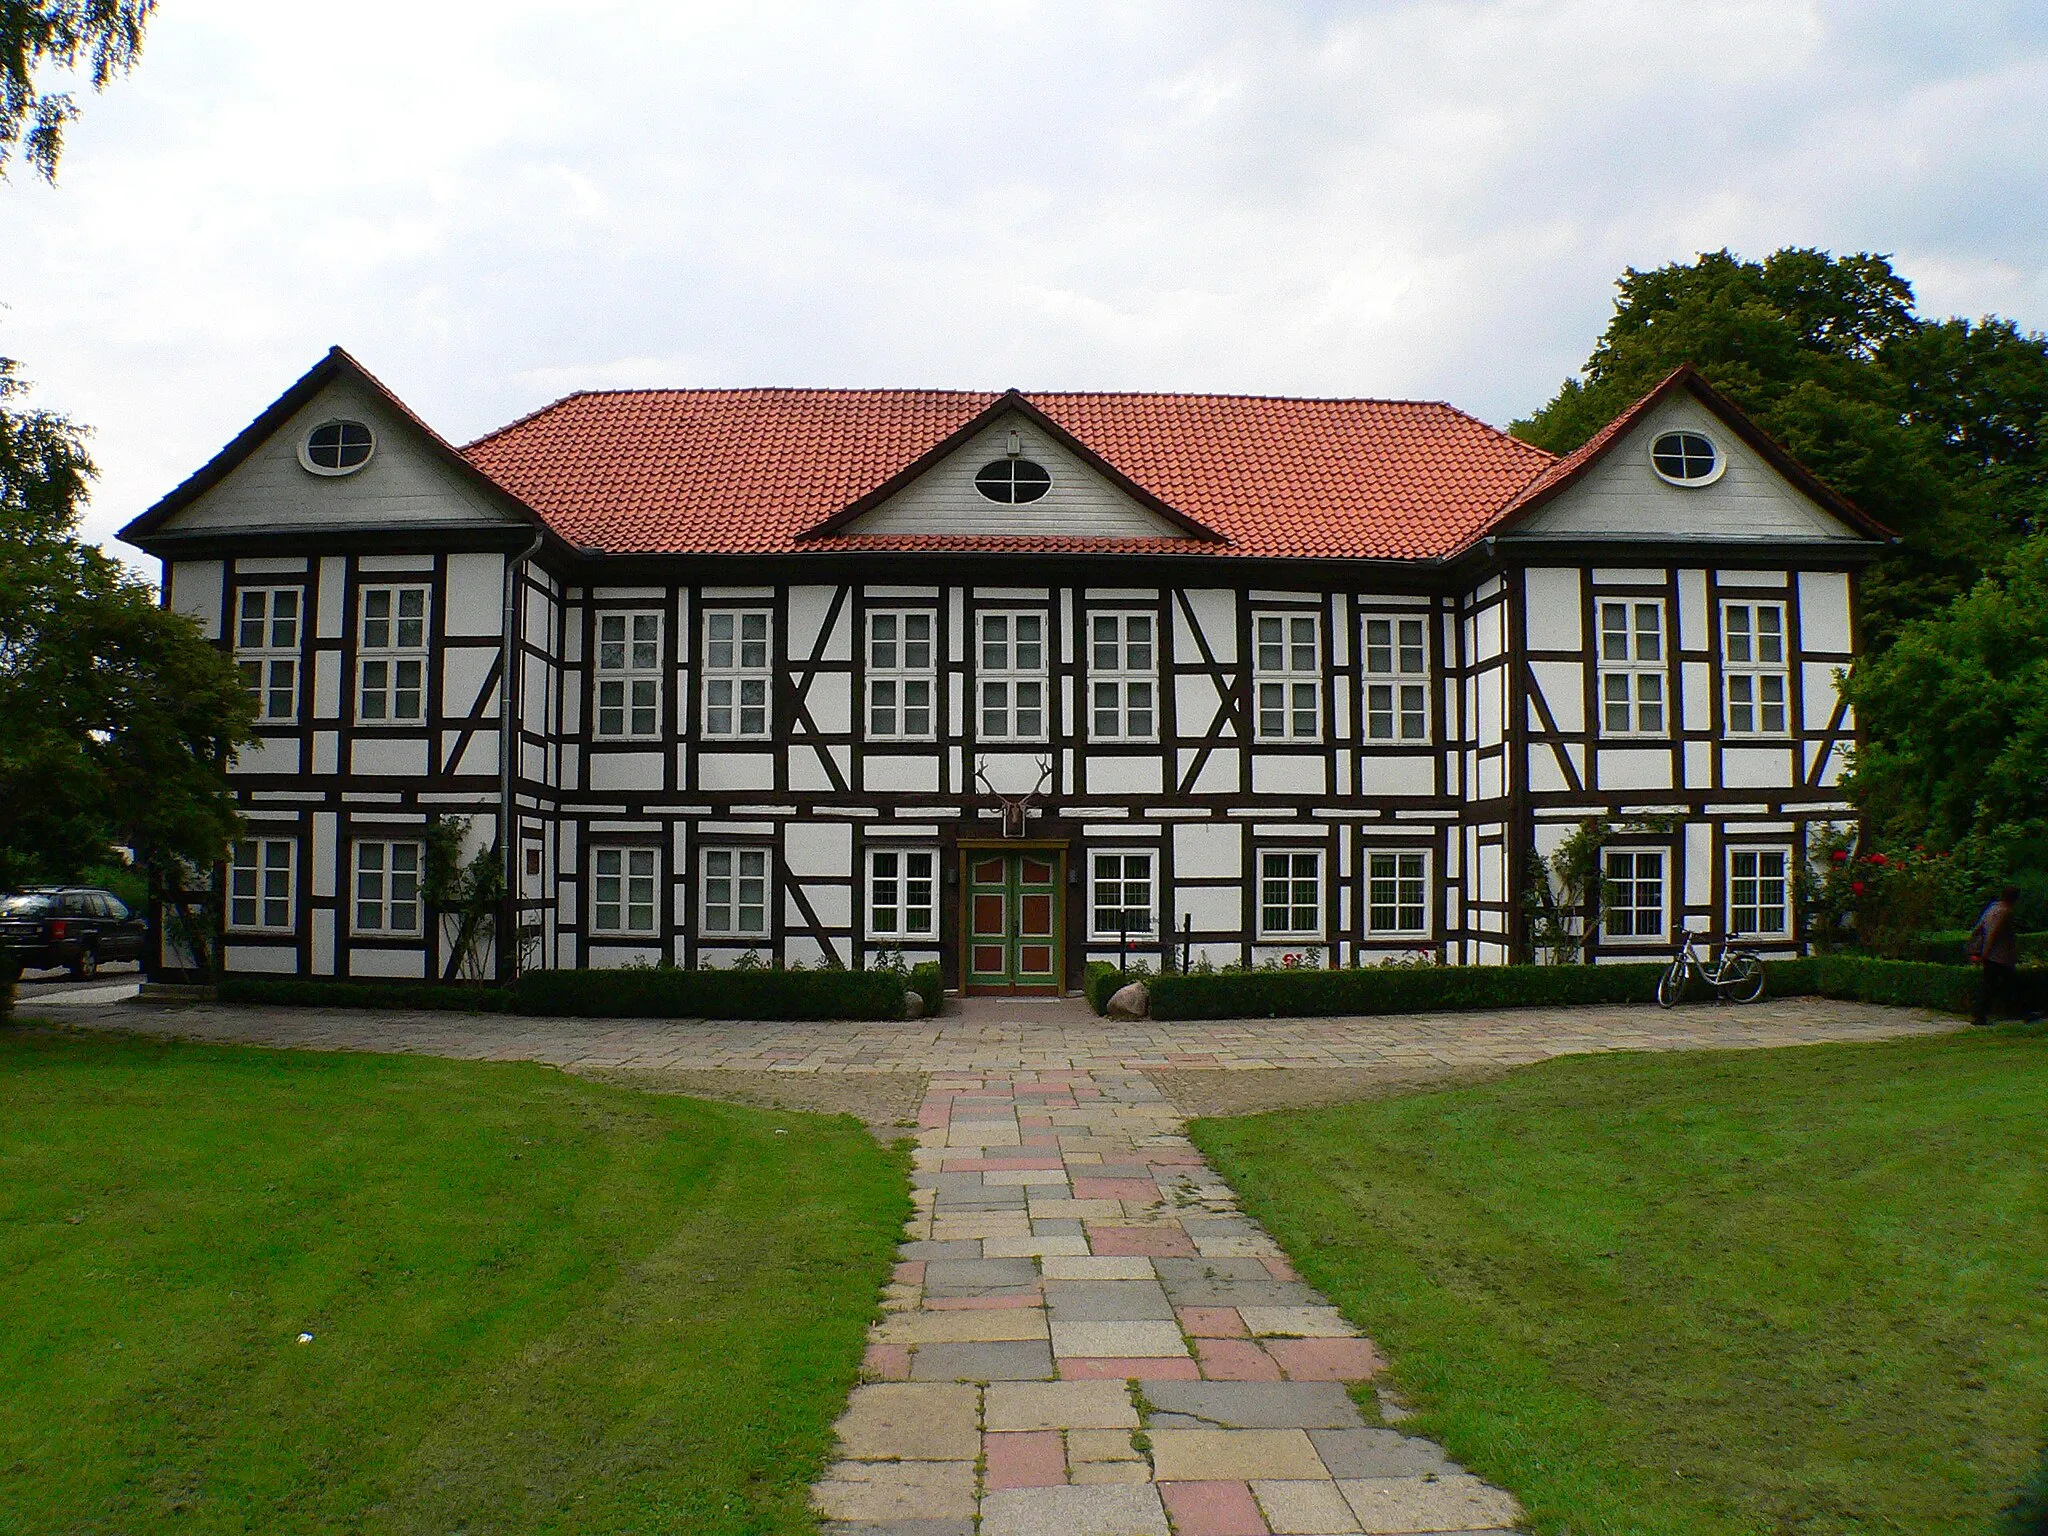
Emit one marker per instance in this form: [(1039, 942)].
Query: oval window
[(1686, 458), (337, 448), (1012, 482)]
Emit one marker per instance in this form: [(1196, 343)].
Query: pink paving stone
[(1140, 1242), (991, 1164), (909, 1272), (1115, 1189), (1033, 1459), (1209, 1322), (1115, 1368), (1213, 1509), (979, 1303), (1324, 1359), (1187, 1159), (887, 1362), (1280, 1269), (1235, 1360)]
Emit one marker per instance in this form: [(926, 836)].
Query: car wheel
[(86, 966)]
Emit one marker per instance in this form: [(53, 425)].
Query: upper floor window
[(1396, 680), (1120, 899), (1291, 895), (1632, 671), (1122, 680), (1634, 897), (736, 673), (1397, 894), (1012, 676), (267, 650), (337, 448), (622, 890), (1287, 677), (1012, 481), (1686, 458), (1759, 886), (902, 675), (1753, 667), (628, 674), (901, 889), (734, 900), (391, 654), (387, 888), (262, 893)]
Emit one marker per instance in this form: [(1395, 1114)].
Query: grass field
[(537, 1304), (1763, 1291)]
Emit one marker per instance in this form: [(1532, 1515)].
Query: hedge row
[(630, 994), (1952, 948), (928, 981), (1100, 981), (296, 992)]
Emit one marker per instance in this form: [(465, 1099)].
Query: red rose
[(1879, 860), (1841, 856), (1856, 886)]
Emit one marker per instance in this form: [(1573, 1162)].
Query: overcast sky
[(493, 204)]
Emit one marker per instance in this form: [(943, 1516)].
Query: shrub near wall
[(293, 992), (667, 994)]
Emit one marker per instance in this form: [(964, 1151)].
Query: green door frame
[(1013, 938)]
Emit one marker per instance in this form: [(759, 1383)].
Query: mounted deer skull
[(1014, 806)]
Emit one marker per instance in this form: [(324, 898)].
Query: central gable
[(1080, 502)]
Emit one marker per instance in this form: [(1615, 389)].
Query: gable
[(407, 485), (1622, 497), (1081, 503)]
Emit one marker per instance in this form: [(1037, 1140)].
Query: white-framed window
[(267, 650), (1011, 676), (262, 888), (1759, 892), (736, 672), (1287, 676), (387, 899), (1291, 894), (1397, 894), (1633, 907), (1122, 895), (733, 900), (1753, 668), (391, 654), (902, 674), (1632, 671), (1396, 680), (902, 894), (629, 668), (1123, 678), (623, 883)]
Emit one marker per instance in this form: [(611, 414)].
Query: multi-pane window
[(261, 890), (1758, 887), (1396, 680), (1634, 904), (735, 896), (901, 886), (1012, 676), (267, 650), (1632, 693), (1287, 676), (1290, 895), (736, 673), (622, 887), (387, 888), (1123, 687), (1397, 893), (391, 654), (902, 675), (1753, 664), (628, 674), (1120, 894)]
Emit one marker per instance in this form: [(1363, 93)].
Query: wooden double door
[(1015, 924)]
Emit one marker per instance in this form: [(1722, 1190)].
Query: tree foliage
[(1937, 428), (39, 38)]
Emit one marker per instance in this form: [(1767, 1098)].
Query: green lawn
[(1762, 1291), (537, 1304)]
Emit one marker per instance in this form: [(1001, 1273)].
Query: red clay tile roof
[(751, 471)]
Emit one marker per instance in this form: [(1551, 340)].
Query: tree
[(58, 36), (1939, 429)]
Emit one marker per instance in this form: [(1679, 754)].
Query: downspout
[(508, 845)]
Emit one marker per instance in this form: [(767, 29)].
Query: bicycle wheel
[(1742, 978), (1671, 985)]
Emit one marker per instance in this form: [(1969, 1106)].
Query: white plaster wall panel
[(1832, 769), (1288, 775), (400, 756), (1739, 577), (395, 565), (1695, 696), (1630, 768), (463, 671), (326, 685), (1126, 776), (1551, 607), (1489, 708), (814, 848), (269, 754), (616, 957), (1207, 852), (1213, 910), (1822, 692), (802, 949), (1824, 610), (1628, 576), (273, 960), (397, 964), (956, 628), (1340, 715), (1222, 774), (1487, 778), (1280, 954), (1016, 773), (323, 941), (326, 834), (807, 772), (1563, 686), (480, 756), (1545, 776), (326, 752), (329, 618), (736, 770), (808, 607), (625, 770), (1216, 612), (271, 565), (196, 587), (832, 903), (476, 593), (1692, 610), (1195, 701), (1699, 765), (1623, 497), (1409, 775), (1758, 767), (720, 592), (1133, 595), (894, 774), (1699, 865)]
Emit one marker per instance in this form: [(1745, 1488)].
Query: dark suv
[(70, 925)]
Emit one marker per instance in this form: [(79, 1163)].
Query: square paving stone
[(982, 1362), (1459, 1503), (1034, 1459), (1098, 1186), (1305, 1509), (1235, 1360), (925, 1248), (1297, 1322), (1033, 1247), (1233, 1455), (1057, 1226), (1257, 1405), (1369, 1453), (910, 1421), (1108, 1301), (957, 1277), (1324, 1359), (1196, 1282), (990, 1326), (978, 1204), (897, 1528), (1161, 1368), (1093, 1267), (1110, 1511), (896, 1490), (1213, 1509), (1123, 1339), (1102, 1444), (1153, 1242), (1076, 1405)]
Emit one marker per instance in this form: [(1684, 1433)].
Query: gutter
[(508, 849)]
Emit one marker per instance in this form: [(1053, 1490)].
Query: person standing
[(1995, 946)]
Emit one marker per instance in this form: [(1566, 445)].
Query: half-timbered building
[(1012, 680)]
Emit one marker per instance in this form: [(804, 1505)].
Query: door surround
[(1055, 852)]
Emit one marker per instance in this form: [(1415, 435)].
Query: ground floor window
[(1290, 895), (1635, 895), (1758, 891), (261, 889), (734, 902), (1120, 894), (901, 884), (622, 890), (388, 888), (1396, 894)]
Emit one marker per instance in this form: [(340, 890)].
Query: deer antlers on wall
[(1014, 805)]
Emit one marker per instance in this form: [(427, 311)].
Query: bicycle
[(1735, 973)]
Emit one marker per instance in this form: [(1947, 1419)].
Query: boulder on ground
[(1129, 1002), (913, 1004)]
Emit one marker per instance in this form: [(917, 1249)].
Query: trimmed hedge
[(1911, 984), (674, 994), (1951, 948), (298, 992), (10, 973), (928, 981)]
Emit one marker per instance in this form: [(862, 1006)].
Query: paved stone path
[(1085, 1337)]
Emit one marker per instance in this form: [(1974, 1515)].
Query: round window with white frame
[(1686, 458), (1012, 481), (336, 448)]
